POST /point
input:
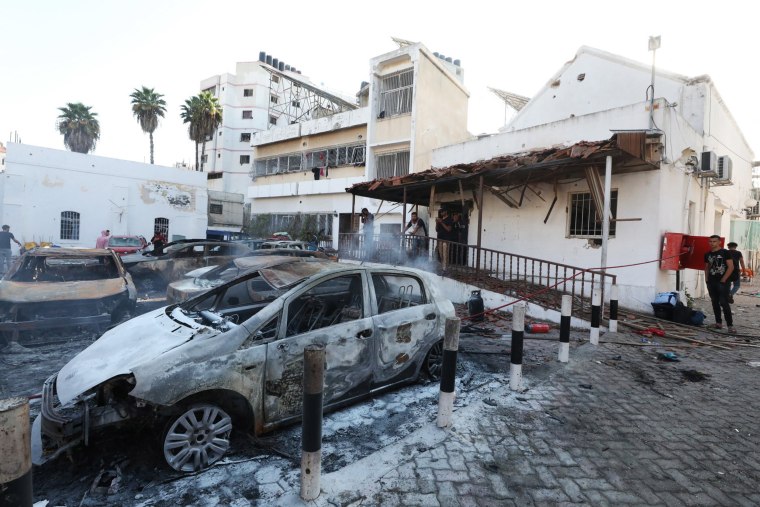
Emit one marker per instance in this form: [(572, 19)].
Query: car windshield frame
[(125, 241)]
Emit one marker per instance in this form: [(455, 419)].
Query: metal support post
[(613, 308), (516, 353), (311, 434), (448, 372), (564, 328), (596, 314)]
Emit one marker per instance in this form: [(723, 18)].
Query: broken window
[(392, 164), (332, 302), (66, 269), (395, 292), (69, 225), (582, 217), (396, 94), (161, 225)]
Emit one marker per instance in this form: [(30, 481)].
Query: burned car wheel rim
[(434, 361), (198, 438)]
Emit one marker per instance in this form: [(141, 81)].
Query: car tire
[(434, 361), (196, 438)]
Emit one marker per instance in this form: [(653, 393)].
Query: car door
[(331, 311), (406, 325)]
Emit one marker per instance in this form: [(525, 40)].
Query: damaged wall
[(122, 196)]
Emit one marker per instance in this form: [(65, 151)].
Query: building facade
[(67, 198)]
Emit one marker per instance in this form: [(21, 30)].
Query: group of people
[(158, 241), (723, 269)]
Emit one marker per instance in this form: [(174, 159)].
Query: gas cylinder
[(537, 328), (475, 307)]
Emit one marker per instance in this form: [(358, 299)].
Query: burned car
[(208, 278), (222, 359), (50, 289), (180, 257)]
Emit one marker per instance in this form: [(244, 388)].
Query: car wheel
[(434, 361), (197, 438)]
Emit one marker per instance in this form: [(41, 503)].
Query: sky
[(97, 52)]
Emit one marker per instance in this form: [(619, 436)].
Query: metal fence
[(509, 273)]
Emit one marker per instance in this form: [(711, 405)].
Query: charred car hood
[(34, 292), (122, 349)]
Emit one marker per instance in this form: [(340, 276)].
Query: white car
[(222, 359)]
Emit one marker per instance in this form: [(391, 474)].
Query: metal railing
[(504, 272)]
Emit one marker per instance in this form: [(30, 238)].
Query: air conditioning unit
[(724, 168), (753, 211), (709, 164)]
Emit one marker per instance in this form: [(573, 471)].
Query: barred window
[(215, 209), (245, 159), (325, 157), (392, 164), (161, 225), (69, 225), (582, 219), (245, 137), (396, 93)]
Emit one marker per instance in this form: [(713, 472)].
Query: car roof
[(283, 275), (69, 252)]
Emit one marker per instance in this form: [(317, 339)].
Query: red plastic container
[(537, 328)]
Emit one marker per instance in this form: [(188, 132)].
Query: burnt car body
[(56, 288), (124, 245), (180, 257), (222, 358), (184, 289)]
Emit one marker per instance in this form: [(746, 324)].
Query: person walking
[(6, 236), (719, 266), (444, 228), (736, 277), (368, 229), (416, 227), (102, 241)]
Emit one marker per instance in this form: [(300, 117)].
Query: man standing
[(368, 219), (719, 266), (102, 241), (5, 248), (736, 276), (416, 227), (444, 228)]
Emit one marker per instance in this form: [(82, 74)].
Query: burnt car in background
[(59, 289), (223, 359), (180, 257), (124, 245), (208, 278)]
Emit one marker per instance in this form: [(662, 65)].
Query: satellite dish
[(750, 203)]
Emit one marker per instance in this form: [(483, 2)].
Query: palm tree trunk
[(150, 134), (196, 156), (203, 155)]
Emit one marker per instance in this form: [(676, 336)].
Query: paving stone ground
[(615, 426)]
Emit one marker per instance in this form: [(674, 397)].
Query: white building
[(592, 96), (413, 102), (67, 198)]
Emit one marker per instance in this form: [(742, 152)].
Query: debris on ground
[(668, 356), (694, 375)]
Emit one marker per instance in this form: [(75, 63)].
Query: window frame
[(247, 114), (71, 223), (591, 212), (247, 92), (245, 159), (397, 93)]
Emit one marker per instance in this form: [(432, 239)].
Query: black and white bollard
[(596, 315), (448, 372), (613, 308), (516, 354), (15, 453), (311, 433), (564, 328)]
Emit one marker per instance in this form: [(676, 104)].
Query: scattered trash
[(107, 481), (537, 328), (518, 398), (617, 358), (694, 375), (605, 449), (585, 386), (490, 402), (736, 430), (491, 466), (721, 473), (668, 356)]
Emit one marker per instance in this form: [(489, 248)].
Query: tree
[(147, 107), (79, 127), (203, 114)]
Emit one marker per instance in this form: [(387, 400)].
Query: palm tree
[(79, 127), (203, 113), (148, 106)]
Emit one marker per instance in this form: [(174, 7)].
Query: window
[(245, 159), (204, 158), (395, 292), (332, 302), (219, 155), (214, 176), (582, 219), (296, 103), (245, 137), (161, 225), (392, 164), (266, 333), (275, 79), (248, 92), (211, 90), (247, 114), (272, 120), (273, 99), (396, 93), (69, 225), (216, 209)]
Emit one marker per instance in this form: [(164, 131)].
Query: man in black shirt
[(719, 266), (5, 248), (444, 227), (736, 277)]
